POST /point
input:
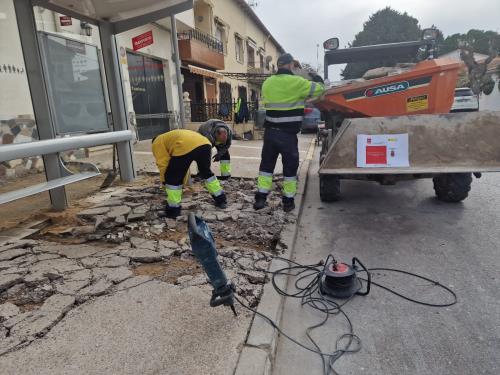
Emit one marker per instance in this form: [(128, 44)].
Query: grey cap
[(287, 58)]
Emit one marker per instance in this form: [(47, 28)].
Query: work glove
[(316, 78), (216, 157)]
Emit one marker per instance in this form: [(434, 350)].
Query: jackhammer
[(203, 246)]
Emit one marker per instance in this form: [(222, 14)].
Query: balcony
[(199, 48)]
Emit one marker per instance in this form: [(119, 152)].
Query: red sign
[(142, 40), (376, 155), (65, 20)]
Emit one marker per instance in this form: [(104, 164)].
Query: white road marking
[(252, 147)]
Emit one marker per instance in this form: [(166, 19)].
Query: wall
[(17, 123), (14, 93)]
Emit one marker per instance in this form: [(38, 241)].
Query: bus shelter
[(57, 101)]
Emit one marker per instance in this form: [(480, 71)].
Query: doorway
[(149, 97), (211, 88)]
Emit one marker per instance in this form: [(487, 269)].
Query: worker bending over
[(174, 152), (284, 95), (219, 135)]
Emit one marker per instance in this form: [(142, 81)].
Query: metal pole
[(175, 57), (325, 67), (39, 97), (317, 58), (116, 99)]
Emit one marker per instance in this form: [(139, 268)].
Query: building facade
[(225, 49), (226, 56)]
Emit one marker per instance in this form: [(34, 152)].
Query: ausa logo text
[(387, 89)]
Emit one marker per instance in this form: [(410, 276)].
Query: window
[(251, 56), (239, 49), (261, 60), (220, 35)]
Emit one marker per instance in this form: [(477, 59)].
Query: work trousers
[(225, 164), (278, 142), (178, 167)]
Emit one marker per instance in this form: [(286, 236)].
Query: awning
[(204, 72), (122, 14)]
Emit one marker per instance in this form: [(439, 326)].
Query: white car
[(465, 101)]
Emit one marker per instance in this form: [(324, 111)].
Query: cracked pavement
[(114, 279)]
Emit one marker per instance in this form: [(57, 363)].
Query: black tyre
[(329, 188), (452, 187)]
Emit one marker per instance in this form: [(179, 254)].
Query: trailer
[(395, 124)]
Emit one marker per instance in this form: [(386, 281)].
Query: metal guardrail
[(207, 39), (52, 146)]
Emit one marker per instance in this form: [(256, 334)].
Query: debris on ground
[(120, 242)]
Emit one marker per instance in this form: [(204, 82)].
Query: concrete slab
[(141, 330), (404, 226)]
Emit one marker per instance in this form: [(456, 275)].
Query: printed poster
[(382, 151)]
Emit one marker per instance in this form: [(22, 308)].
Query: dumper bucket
[(447, 143), (427, 87)]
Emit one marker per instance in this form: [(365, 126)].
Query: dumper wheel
[(329, 188), (452, 187)]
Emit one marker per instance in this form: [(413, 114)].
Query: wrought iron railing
[(201, 36), (226, 111)]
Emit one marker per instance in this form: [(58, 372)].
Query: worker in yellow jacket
[(174, 152)]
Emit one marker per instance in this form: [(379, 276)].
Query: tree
[(478, 79), (480, 41), (384, 26)]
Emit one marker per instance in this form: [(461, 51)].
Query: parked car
[(312, 117), (465, 101)]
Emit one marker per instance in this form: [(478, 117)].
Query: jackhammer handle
[(192, 225)]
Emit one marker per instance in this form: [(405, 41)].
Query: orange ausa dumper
[(394, 124)]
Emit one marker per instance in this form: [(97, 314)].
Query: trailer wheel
[(452, 187), (329, 188)]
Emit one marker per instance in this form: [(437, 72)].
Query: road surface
[(404, 226)]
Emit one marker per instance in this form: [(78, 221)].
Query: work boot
[(224, 178), (260, 201), (220, 201), (171, 212), (288, 204)]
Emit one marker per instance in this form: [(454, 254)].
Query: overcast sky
[(300, 25)]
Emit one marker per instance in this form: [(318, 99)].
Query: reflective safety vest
[(284, 95), (175, 143)]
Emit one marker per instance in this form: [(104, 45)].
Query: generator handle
[(368, 280)]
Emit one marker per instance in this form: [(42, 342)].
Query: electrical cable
[(307, 289)]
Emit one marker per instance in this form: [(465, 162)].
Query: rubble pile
[(121, 242)]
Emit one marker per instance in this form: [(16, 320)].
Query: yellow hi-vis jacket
[(175, 143)]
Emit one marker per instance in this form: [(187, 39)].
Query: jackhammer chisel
[(203, 246)]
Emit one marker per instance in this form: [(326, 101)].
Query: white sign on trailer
[(382, 151)]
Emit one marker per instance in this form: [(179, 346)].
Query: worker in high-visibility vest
[(219, 134), (174, 152), (283, 95)]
